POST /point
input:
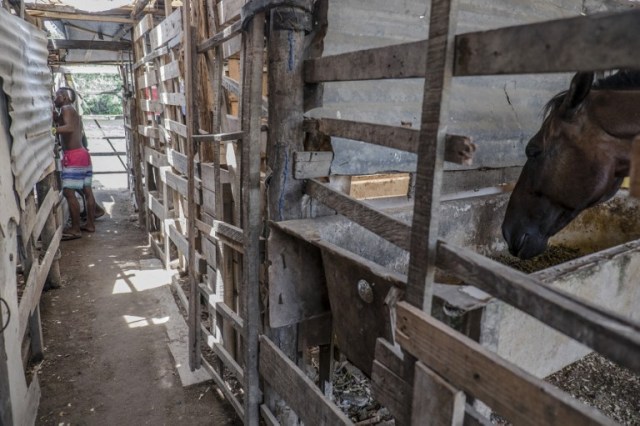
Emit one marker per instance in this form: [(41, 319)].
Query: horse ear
[(578, 91)]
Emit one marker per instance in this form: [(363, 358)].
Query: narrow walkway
[(107, 360)]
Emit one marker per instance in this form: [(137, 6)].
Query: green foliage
[(100, 94)]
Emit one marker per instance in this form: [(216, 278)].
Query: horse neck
[(616, 111)]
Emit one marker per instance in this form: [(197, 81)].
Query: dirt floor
[(107, 361)]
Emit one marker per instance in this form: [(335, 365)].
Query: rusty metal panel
[(26, 81)]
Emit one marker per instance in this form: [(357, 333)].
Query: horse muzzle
[(524, 245)]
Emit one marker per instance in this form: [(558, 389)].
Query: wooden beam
[(586, 43), (220, 37), (406, 60), (387, 227), (55, 44), (486, 376), (76, 16), (298, 391), (612, 335)]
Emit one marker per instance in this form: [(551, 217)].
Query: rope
[(4, 327)]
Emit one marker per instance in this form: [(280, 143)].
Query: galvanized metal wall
[(500, 113), (26, 80)]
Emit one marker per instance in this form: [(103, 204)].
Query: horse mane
[(621, 80)]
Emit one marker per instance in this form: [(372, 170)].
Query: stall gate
[(217, 199)]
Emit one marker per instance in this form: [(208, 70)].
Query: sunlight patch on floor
[(147, 276), (136, 322)]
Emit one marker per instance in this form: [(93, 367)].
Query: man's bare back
[(69, 125)]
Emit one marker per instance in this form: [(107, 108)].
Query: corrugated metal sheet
[(26, 80)]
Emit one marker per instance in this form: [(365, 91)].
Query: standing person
[(77, 171)]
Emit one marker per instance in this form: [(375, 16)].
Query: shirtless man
[(77, 171)]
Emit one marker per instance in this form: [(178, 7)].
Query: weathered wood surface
[(616, 337), (481, 373), (222, 353), (169, 71), (223, 232), (168, 29), (155, 205), (149, 131), (220, 37), (435, 110), (224, 387), (458, 149), (44, 212), (585, 43), (387, 227), (176, 127), (142, 27), (55, 44), (155, 158), (229, 10), (434, 400), (309, 165), (406, 60), (392, 391), (251, 213), (35, 283), (296, 388)]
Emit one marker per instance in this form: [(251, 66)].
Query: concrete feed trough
[(359, 295)]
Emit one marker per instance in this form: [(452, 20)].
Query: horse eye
[(532, 151)]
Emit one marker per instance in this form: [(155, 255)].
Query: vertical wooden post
[(253, 47), (286, 135), (194, 297), (634, 173), (435, 106)]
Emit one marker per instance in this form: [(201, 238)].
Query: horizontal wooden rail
[(395, 137), (389, 228), (585, 43), (222, 231), (609, 334), (510, 391), (220, 37), (219, 137), (297, 390), (406, 60)]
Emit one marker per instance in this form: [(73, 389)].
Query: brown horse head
[(577, 159)]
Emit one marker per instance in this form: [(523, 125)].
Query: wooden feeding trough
[(361, 276)]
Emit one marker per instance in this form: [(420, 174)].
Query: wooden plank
[(208, 176), (231, 46), (208, 201), (220, 37), (178, 128), (434, 400), (220, 137), (223, 355), (209, 250), (391, 391), (178, 183), (147, 79), (584, 43), (177, 160), (155, 205), (229, 10), (224, 387), (406, 60), (176, 99), (35, 283), (150, 106), (56, 44), (155, 158), (44, 212), (402, 138), (224, 232), (299, 392), (32, 401), (168, 29), (387, 227), (268, 416), (308, 164), (229, 315), (435, 113), (77, 16), (486, 376), (149, 131), (612, 335), (169, 71)]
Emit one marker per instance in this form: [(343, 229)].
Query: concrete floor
[(107, 333)]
